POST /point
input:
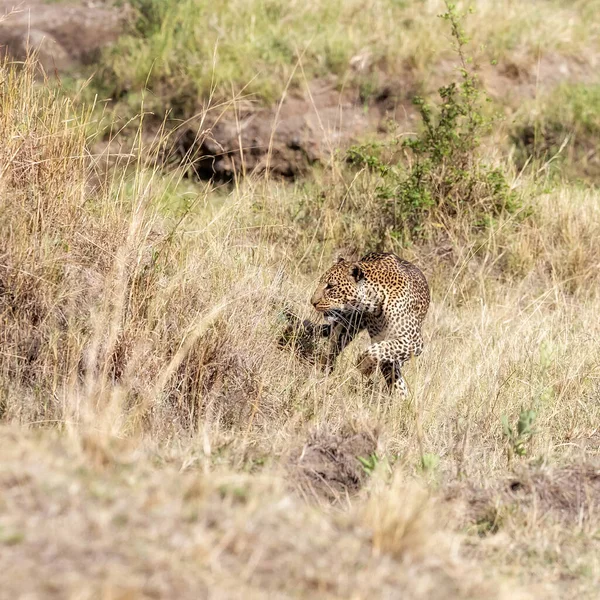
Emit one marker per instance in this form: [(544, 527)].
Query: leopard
[(383, 294)]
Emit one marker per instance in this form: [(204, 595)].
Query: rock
[(65, 34), (51, 55)]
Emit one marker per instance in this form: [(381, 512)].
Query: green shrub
[(443, 175), (518, 438)]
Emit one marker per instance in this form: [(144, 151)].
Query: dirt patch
[(327, 467), (64, 35), (285, 139), (528, 79), (569, 494), (514, 80)]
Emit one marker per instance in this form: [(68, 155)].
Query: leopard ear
[(340, 259), (356, 272)]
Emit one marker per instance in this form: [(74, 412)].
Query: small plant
[(445, 177), (373, 462), (517, 439), (369, 463), (429, 462)]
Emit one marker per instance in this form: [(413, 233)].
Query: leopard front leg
[(393, 377), (390, 355)]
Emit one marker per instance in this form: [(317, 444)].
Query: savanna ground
[(158, 438)]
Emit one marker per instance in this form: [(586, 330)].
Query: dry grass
[(79, 523), (147, 334)]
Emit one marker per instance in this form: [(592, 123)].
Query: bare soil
[(327, 467), (568, 494)]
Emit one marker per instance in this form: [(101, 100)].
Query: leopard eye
[(329, 286)]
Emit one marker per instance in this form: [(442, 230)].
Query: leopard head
[(336, 293)]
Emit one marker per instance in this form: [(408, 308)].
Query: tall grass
[(143, 310), (560, 129), (113, 289)]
